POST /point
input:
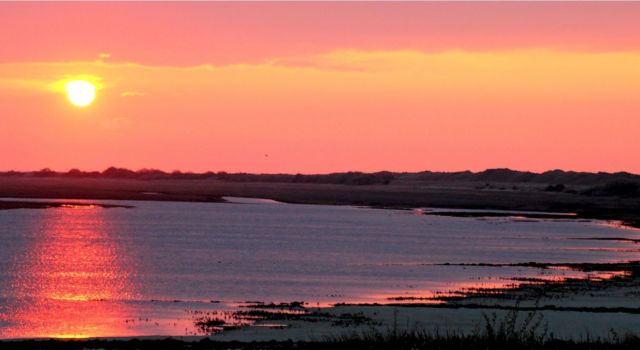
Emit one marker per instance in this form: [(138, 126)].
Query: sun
[(80, 93)]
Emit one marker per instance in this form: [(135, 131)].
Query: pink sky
[(321, 87)]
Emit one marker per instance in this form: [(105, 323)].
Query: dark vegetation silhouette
[(616, 188), (555, 188), (621, 184), (496, 335), (347, 178)]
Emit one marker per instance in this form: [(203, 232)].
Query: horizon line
[(179, 171)]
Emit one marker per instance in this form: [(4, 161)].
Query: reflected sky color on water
[(150, 270), (68, 265)]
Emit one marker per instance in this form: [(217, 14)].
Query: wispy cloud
[(133, 94)]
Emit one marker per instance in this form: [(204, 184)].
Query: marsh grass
[(514, 330)]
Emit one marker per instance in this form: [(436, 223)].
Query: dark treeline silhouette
[(347, 178), (513, 176), (599, 184)]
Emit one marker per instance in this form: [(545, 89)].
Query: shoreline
[(285, 325), (595, 304), (621, 220), (458, 197)]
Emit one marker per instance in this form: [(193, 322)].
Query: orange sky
[(321, 87)]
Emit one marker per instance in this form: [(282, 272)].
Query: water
[(70, 272)]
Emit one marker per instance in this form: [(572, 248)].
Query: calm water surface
[(69, 272)]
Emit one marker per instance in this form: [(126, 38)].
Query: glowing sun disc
[(80, 93)]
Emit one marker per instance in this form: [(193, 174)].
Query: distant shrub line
[(597, 184), (347, 178)]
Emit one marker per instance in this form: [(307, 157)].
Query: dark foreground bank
[(502, 337)]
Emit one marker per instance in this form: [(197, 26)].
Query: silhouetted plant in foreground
[(531, 329)]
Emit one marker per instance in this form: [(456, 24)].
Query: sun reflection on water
[(63, 278)]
